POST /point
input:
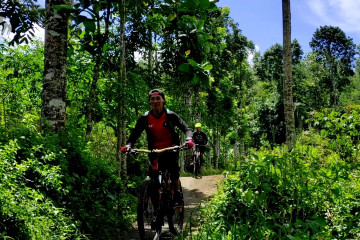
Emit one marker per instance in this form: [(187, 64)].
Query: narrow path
[(198, 190), (195, 191)]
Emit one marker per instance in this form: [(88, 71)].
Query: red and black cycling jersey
[(161, 135), (160, 130)]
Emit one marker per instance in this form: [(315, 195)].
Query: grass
[(206, 171)]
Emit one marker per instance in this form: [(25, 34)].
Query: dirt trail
[(198, 190), (195, 191)]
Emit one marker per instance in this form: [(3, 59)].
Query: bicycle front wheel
[(175, 217), (147, 211)]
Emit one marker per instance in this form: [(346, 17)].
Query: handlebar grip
[(123, 149)]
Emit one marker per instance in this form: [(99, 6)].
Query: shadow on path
[(195, 192)]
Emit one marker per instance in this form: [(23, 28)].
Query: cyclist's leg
[(170, 161), (202, 150), (201, 159), (153, 173)]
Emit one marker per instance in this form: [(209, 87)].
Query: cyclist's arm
[(182, 125), (205, 139), (136, 132)]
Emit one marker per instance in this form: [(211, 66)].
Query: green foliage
[(342, 130), (98, 198), (63, 185), (336, 52), (268, 103), (23, 17), (56, 187), (312, 192), (20, 82), (29, 182), (351, 93), (309, 193)]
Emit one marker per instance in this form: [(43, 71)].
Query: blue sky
[(261, 20)]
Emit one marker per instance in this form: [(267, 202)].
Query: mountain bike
[(196, 160), (155, 205)]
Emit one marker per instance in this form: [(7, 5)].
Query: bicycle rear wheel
[(147, 211), (197, 164)]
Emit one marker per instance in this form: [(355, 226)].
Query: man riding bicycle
[(200, 138), (159, 124)]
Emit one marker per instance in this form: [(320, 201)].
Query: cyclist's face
[(157, 103), (198, 129)]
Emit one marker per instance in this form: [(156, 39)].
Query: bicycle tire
[(197, 164), (146, 211), (194, 165), (175, 217)]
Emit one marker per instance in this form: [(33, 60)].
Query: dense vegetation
[(312, 192), (70, 184)]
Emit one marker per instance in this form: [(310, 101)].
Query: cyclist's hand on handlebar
[(189, 143), (126, 149)]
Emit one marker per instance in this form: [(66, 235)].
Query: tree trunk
[(156, 71), (53, 113), (236, 154), (101, 39), (92, 97), (216, 146), (186, 158), (121, 134), (4, 114), (288, 82), (150, 53)]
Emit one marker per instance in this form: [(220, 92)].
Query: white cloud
[(5, 29), (341, 13), (5, 33), (39, 33), (251, 55)]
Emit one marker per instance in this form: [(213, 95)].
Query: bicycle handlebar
[(174, 148), (201, 145)]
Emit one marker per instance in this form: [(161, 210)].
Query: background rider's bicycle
[(196, 160), (155, 205)]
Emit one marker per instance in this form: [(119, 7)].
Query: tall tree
[(94, 40), (54, 83), (336, 52), (121, 134), (288, 82)]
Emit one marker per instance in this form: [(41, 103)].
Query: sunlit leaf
[(207, 66), (193, 63), (171, 17)]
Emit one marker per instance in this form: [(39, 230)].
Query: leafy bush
[(310, 193), (343, 130), (98, 197), (26, 211), (53, 188)]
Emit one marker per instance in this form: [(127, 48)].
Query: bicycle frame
[(160, 199), (196, 159)]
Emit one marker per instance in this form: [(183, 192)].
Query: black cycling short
[(202, 148), (167, 161)]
